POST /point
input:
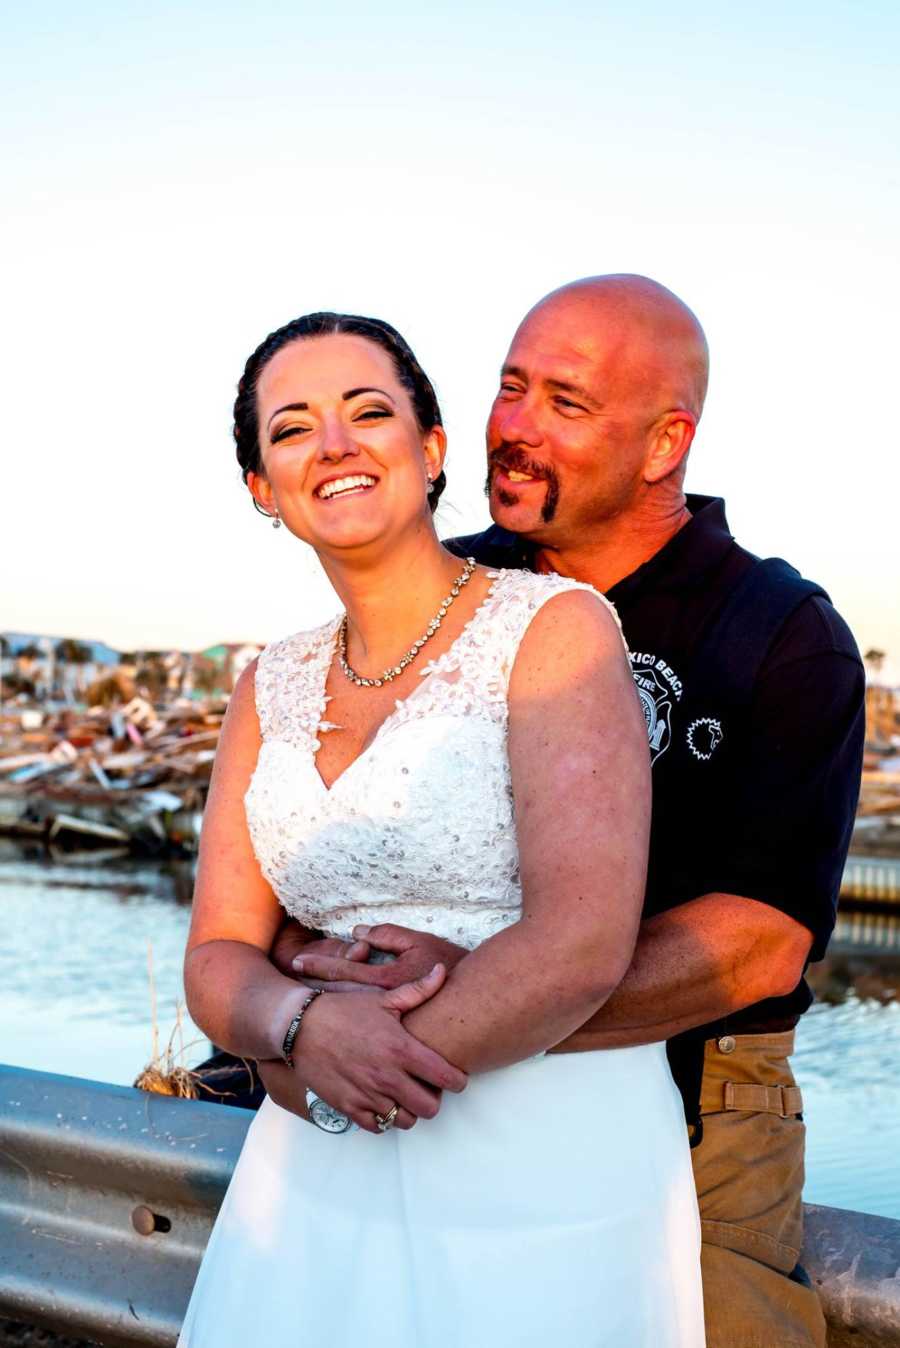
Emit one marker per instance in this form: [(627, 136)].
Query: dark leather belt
[(738, 1026)]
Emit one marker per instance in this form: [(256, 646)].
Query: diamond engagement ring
[(386, 1121)]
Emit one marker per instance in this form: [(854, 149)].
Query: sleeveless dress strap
[(290, 678), (516, 601)]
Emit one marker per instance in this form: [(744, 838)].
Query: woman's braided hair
[(409, 372)]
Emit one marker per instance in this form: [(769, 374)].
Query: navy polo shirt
[(757, 801)]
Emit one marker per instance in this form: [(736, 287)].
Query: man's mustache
[(517, 461)]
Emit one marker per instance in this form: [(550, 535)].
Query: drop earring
[(276, 521), (430, 488)]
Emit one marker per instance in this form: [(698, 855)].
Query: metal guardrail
[(108, 1195), (853, 1259), (866, 932), (872, 879), (107, 1198)]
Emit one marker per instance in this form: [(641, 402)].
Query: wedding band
[(386, 1121)]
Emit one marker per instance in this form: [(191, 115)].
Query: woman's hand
[(355, 1053)]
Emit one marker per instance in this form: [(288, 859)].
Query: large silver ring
[(386, 1121), (325, 1116)]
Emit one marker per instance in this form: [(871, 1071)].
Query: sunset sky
[(180, 180)]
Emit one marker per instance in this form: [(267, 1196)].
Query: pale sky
[(178, 182)]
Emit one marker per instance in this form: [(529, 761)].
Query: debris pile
[(132, 777), (877, 829), (880, 794)]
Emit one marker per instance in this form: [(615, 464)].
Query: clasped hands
[(354, 1051)]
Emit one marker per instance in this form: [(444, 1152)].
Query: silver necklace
[(394, 670)]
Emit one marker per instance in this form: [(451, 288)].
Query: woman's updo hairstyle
[(409, 372)]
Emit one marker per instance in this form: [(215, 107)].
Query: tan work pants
[(749, 1174)]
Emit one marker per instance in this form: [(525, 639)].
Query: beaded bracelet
[(294, 1028)]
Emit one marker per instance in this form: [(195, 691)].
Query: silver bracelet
[(293, 1029)]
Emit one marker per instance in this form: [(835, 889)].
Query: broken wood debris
[(135, 775)]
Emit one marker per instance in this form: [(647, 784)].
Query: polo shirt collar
[(506, 549), (698, 547)]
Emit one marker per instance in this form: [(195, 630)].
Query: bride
[(461, 750)]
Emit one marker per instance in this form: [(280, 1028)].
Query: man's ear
[(261, 491), (672, 437), (435, 449)]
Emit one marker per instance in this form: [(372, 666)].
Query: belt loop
[(791, 1101)]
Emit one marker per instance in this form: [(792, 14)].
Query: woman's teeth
[(341, 484)]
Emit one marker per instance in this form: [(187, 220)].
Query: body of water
[(75, 998), (74, 984)]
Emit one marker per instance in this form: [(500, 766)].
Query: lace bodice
[(419, 829)]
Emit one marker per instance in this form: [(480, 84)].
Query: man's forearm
[(695, 964), (692, 965)]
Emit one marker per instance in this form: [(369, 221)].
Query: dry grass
[(178, 1081), (165, 1074)]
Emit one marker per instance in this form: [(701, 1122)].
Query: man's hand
[(292, 940), (355, 1053), (416, 952)]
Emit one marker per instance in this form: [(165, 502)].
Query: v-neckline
[(425, 675)]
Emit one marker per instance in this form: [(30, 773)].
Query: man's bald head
[(589, 434), (654, 339)]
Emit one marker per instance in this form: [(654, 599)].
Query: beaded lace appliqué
[(419, 829)]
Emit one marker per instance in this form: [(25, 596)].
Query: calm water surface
[(74, 984), (74, 998)]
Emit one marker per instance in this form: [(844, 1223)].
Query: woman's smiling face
[(345, 461)]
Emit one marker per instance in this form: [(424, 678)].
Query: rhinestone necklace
[(393, 670)]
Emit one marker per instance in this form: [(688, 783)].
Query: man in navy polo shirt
[(753, 693)]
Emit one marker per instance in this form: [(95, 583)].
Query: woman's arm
[(581, 782), (237, 996), (233, 992)]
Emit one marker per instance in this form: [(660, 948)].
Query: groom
[(753, 691)]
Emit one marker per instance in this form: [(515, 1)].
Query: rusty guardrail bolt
[(145, 1221)]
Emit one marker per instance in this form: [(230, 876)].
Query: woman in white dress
[(481, 770)]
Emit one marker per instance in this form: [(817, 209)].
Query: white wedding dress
[(552, 1202)]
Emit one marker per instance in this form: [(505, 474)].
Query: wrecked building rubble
[(133, 777)]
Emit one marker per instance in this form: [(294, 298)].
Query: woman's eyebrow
[(304, 407), (355, 392), (288, 407)]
